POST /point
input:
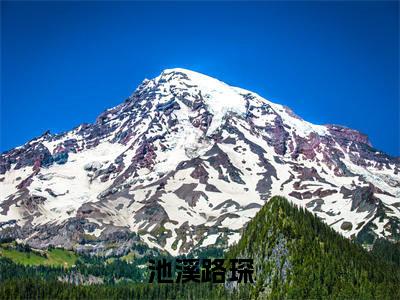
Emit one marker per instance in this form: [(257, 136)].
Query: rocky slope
[(185, 162)]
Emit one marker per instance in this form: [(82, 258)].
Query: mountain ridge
[(186, 161)]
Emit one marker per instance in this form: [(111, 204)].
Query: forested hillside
[(298, 256)]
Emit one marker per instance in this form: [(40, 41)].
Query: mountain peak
[(180, 74), (187, 161), (184, 71)]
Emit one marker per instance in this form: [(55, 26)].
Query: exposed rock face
[(186, 161)]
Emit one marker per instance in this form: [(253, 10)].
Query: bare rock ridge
[(185, 162)]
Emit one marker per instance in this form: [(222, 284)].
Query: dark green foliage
[(110, 272), (23, 248), (27, 288), (388, 251), (207, 252)]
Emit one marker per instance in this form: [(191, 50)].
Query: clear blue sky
[(64, 63)]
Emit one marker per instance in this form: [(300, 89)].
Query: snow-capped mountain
[(185, 162)]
